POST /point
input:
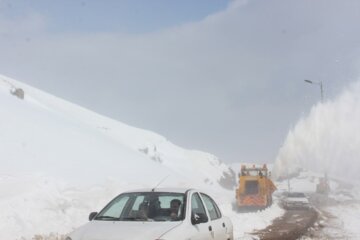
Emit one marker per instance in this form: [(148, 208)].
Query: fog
[(230, 83)]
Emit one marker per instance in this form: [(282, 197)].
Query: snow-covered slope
[(45, 134)]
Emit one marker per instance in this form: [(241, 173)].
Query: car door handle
[(210, 228), (223, 224)]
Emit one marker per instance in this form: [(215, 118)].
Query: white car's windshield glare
[(145, 206), (296, 195)]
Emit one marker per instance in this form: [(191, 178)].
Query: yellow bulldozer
[(255, 188)]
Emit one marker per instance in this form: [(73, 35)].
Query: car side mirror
[(197, 218), (92, 215)]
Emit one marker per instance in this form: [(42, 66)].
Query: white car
[(157, 214), (296, 200)]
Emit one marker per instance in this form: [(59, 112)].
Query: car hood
[(120, 230)]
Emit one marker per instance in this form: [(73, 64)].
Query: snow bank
[(35, 204), (349, 216)]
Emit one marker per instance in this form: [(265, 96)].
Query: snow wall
[(327, 140)]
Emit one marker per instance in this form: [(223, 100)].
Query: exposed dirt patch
[(292, 225)]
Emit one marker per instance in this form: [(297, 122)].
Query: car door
[(201, 231), (216, 222)]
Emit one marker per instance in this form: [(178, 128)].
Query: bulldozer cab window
[(251, 187)]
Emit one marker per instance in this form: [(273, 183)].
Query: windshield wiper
[(106, 218), (133, 219)]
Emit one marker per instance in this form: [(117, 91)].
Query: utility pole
[(288, 178)]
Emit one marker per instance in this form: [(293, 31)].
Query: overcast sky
[(226, 77)]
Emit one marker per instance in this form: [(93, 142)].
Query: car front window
[(145, 206), (211, 206), (196, 205)]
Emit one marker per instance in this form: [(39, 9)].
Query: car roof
[(172, 190)]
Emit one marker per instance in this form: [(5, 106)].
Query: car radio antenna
[(162, 180)]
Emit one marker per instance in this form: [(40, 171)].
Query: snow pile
[(36, 204), (328, 140), (246, 223), (27, 202)]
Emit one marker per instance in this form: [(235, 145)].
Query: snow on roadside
[(349, 217), (35, 204), (38, 205), (29, 204), (247, 223)]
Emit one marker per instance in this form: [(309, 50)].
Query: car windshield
[(145, 206), (296, 195)]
